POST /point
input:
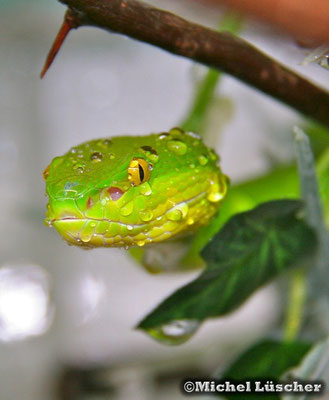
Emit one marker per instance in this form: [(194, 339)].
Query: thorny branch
[(221, 51)]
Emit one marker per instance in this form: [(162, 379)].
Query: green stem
[(296, 300), (205, 93)]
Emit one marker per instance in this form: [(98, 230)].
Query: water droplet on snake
[(127, 209), (218, 190), (96, 157), (178, 212), (145, 189), (213, 155), (203, 160), (177, 146), (146, 215), (150, 153), (176, 131), (163, 135)]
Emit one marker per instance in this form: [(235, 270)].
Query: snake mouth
[(101, 232)]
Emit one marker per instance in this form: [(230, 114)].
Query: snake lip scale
[(122, 223)]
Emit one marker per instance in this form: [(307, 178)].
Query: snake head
[(127, 191)]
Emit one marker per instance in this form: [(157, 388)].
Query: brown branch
[(218, 50), (304, 19)]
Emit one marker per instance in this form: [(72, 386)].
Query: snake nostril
[(46, 173), (115, 193), (89, 203)]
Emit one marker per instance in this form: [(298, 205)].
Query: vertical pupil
[(141, 173)]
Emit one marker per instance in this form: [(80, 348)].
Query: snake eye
[(138, 171)]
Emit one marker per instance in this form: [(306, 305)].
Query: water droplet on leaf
[(175, 332)]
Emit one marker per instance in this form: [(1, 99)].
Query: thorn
[(71, 21)]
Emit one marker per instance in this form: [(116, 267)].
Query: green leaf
[(314, 367), (252, 248), (266, 360)]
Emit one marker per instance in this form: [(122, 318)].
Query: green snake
[(133, 191)]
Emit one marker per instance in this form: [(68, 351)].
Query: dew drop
[(176, 131), (96, 157), (218, 190), (93, 224), (178, 212), (174, 215), (190, 221), (87, 233), (175, 332), (194, 135), (177, 146), (145, 189), (213, 155), (127, 209), (130, 228), (146, 215), (73, 150), (203, 160), (112, 156), (163, 135), (107, 142), (150, 153), (79, 167), (140, 243)]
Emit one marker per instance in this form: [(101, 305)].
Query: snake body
[(125, 191)]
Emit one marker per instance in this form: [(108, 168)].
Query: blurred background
[(67, 316)]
